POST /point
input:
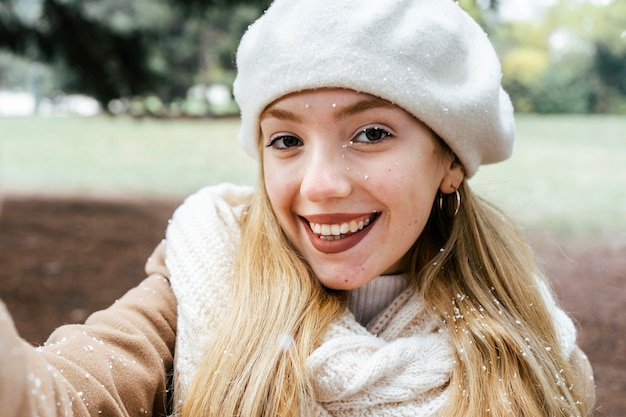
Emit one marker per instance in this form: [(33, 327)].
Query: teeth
[(338, 229)]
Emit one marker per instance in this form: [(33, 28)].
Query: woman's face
[(352, 180)]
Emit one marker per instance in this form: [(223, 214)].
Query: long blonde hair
[(279, 312), (480, 276), (475, 270)]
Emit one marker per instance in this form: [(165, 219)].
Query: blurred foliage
[(149, 53), (480, 10), (120, 49), (572, 60)]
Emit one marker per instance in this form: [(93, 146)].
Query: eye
[(284, 142), (372, 135)]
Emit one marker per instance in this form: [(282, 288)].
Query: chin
[(342, 284)]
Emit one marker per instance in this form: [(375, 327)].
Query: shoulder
[(202, 242), (223, 198), (209, 214), (563, 324), (205, 230)]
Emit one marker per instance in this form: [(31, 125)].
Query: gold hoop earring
[(457, 203)]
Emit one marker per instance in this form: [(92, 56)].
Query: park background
[(112, 112)]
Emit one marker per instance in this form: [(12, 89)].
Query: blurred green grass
[(566, 177), (119, 157)]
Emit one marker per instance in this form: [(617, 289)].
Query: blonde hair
[(480, 276), (477, 273), (279, 312)]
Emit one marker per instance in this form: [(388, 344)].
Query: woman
[(361, 276)]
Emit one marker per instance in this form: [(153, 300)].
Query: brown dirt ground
[(61, 259)]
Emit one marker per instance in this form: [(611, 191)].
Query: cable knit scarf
[(403, 371), (400, 365)]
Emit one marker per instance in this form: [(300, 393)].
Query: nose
[(326, 175)]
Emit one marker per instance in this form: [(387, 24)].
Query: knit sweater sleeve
[(116, 364)]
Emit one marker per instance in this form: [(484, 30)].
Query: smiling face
[(352, 180)]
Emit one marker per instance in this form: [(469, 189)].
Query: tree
[(602, 25), (119, 49), (571, 60)]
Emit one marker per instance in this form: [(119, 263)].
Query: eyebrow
[(355, 108), (280, 115), (362, 106)]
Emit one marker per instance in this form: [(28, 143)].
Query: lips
[(337, 233)]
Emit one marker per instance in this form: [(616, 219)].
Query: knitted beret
[(427, 56)]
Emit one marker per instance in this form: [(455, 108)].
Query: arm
[(116, 364)]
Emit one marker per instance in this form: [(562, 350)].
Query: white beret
[(427, 56)]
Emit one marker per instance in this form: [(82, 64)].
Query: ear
[(453, 177)]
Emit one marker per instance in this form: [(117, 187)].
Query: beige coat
[(117, 364)]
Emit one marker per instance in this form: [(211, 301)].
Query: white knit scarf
[(400, 365)]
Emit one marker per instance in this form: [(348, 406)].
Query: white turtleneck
[(367, 301)]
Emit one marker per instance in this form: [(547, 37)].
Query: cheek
[(407, 187), (280, 188), (272, 187), (396, 177)]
